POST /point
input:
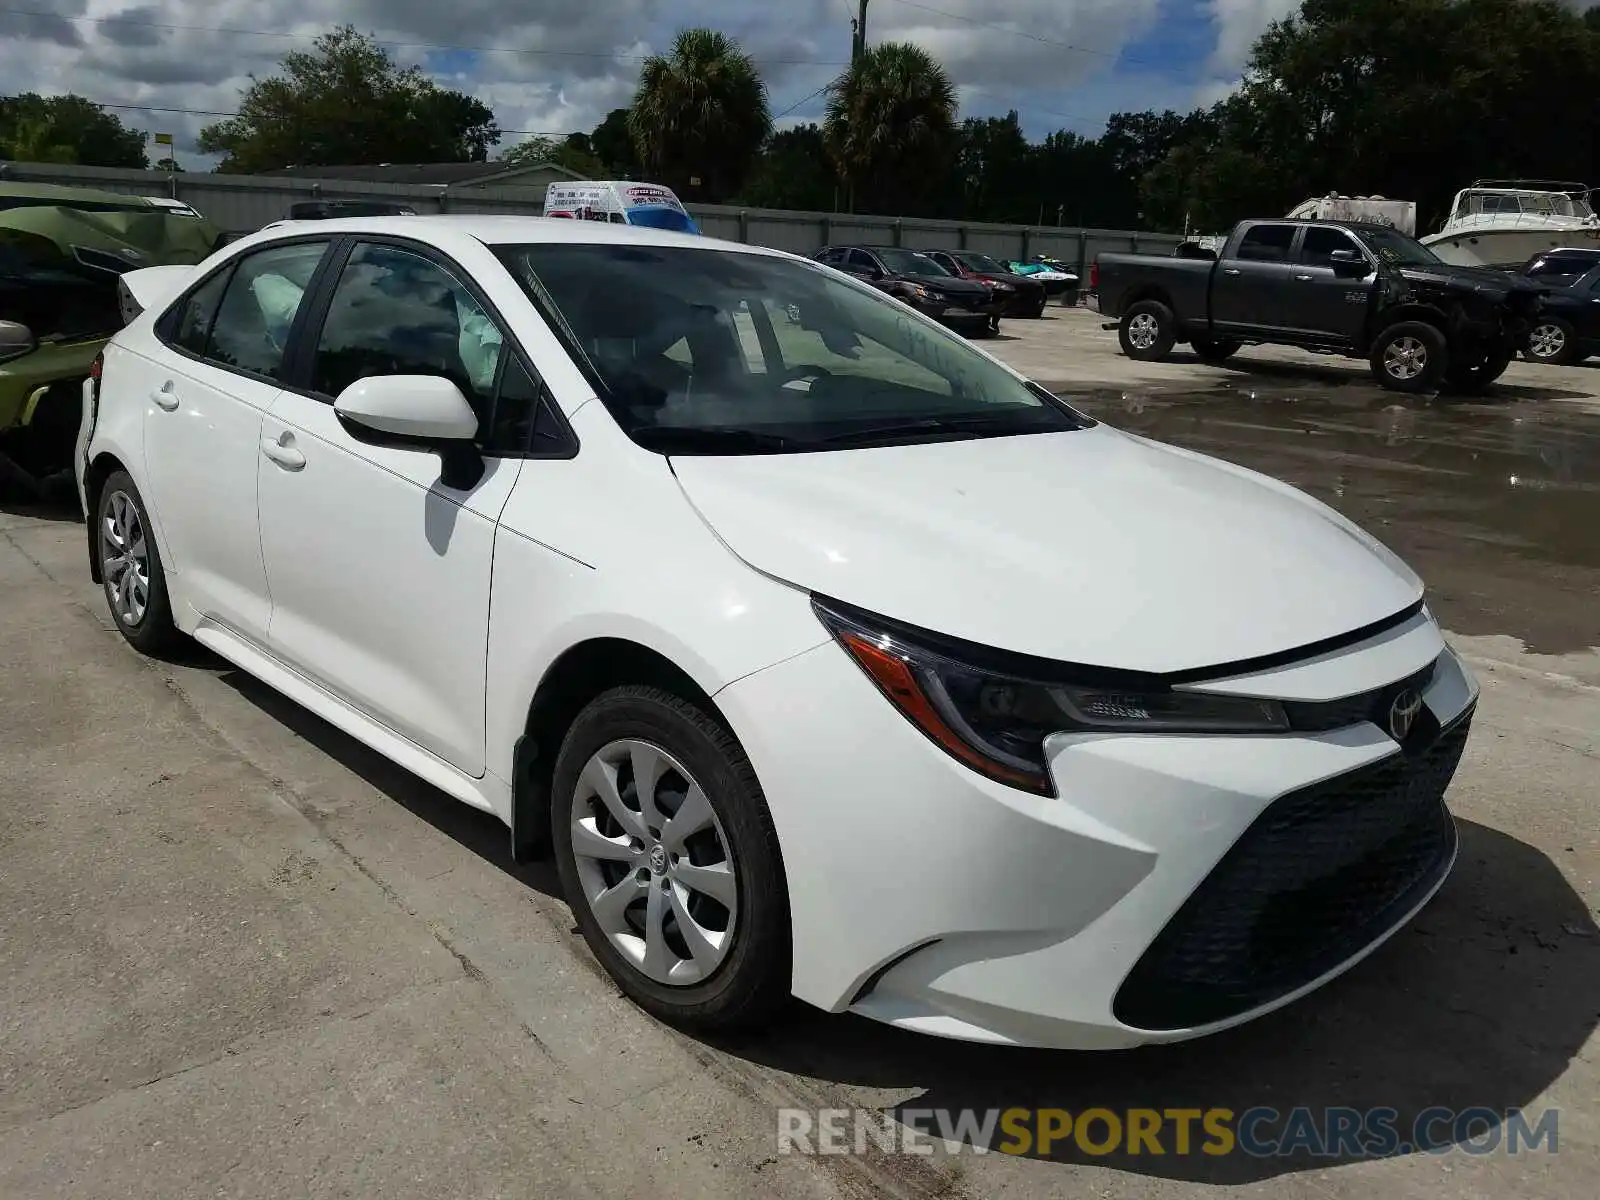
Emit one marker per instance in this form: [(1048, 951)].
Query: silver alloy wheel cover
[(1547, 341), (658, 870), (1143, 329), (125, 559), (1405, 358)]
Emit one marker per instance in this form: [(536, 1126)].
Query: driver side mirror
[(427, 412), (16, 340), (1348, 263)]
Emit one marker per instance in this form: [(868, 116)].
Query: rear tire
[(1215, 350), (1553, 341), (1410, 356), (133, 578), (1148, 331), (628, 874)]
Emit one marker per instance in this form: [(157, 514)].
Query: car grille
[(1318, 716), (1317, 877), (966, 301)]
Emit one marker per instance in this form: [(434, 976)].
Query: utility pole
[(858, 34)]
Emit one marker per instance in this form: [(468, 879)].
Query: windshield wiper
[(717, 439), (959, 425)]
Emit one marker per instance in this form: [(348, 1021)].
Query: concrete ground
[(242, 956)]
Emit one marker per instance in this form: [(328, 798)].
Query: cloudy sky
[(554, 66)]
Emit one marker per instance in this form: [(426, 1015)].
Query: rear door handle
[(165, 397), (286, 457), (1230, 270), (1304, 278)]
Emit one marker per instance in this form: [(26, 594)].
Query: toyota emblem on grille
[(1403, 714)]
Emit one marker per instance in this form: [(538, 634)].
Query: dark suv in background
[(917, 280), (1562, 267), (1567, 329)]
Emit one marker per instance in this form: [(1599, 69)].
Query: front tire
[(1409, 356), (670, 862), (1148, 331), (132, 576), (1215, 350), (1552, 341)]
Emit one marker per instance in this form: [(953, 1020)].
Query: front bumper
[(1170, 889)]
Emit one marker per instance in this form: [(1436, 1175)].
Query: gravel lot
[(242, 956)]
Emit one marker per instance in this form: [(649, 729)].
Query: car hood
[(1016, 281), (955, 285), (1093, 546), (1476, 279)]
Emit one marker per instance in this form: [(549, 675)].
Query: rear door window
[(1266, 243), (263, 296)]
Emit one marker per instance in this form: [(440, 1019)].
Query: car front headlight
[(995, 718)]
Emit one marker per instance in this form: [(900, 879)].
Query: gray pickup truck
[(1361, 290)]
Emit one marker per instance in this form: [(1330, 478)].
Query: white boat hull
[(1507, 248)]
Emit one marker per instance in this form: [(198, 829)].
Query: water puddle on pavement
[(1496, 502)]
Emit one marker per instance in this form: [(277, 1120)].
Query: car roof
[(444, 228)]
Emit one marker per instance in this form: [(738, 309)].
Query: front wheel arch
[(1382, 320), (578, 675)]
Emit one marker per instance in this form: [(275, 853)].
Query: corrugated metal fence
[(243, 203)]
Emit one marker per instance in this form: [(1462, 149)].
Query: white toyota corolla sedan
[(829, 656)]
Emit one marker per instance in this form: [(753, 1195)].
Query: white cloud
[(1239, 23), (553, 66)]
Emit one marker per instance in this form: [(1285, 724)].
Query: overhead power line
[(135, 22), (556, 52)]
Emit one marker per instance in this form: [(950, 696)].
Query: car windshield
[(1395, 248), (727, 352), (908, 262), (982, 262)]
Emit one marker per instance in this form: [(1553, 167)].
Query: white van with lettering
[(621, 202)]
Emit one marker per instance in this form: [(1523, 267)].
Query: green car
[(61, 252)]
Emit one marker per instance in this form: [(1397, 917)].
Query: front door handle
[(1230, 270), (165, 397), (1304, 278), (284, 454)]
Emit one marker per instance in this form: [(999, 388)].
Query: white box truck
[(621, 202)]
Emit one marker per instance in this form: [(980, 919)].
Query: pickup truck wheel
[(1410, 356), (1215, 350), (1148, 331), (1552, 341), (1477, 378)]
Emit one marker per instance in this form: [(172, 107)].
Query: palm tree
[(701, 112), (890, 125)]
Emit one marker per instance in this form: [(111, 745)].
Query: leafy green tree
[(997, 170), (1406, 98), (612, 143), (793, 172), (890, 128), (345, 101), (572, 154), (701, 113), (67, 129)]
